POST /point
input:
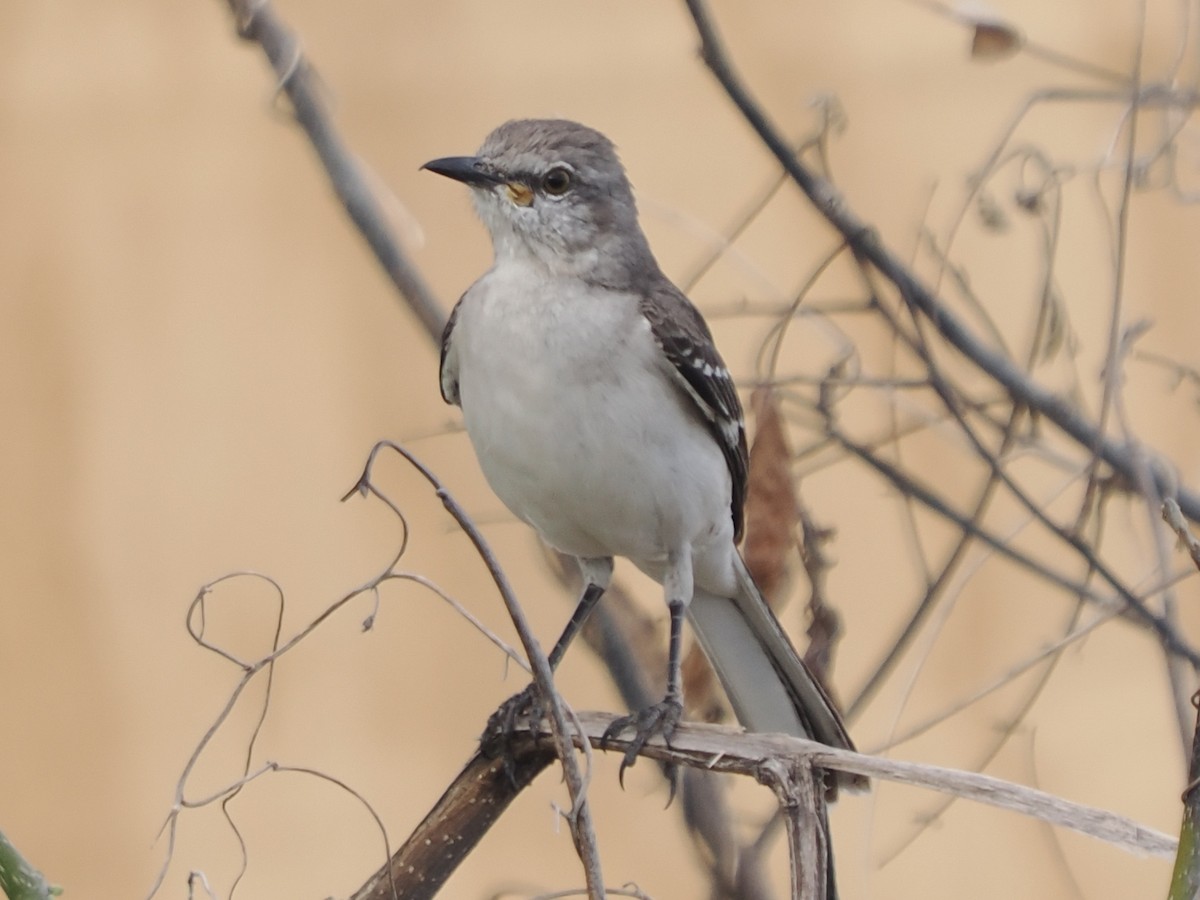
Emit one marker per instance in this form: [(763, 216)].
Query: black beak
[(467, 169)]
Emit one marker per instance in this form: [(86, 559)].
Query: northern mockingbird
[(603, 416)]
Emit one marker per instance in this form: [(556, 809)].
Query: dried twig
[(480, 793), (724, 749), (581, 827), (781, 762), (1173, 516), (867, 246), (583, 832), (257, 21)]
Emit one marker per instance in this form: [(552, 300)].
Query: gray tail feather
[(768, 684)]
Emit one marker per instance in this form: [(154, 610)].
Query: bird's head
[(555, 191)]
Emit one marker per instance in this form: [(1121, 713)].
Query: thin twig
[(914, 731), (867, 245), (583, 831), (1144, 616), (257, 21), (1173, 516)]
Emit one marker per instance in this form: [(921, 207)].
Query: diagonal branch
[(258, 22), (458, 821), (866, 244), (775, 760), (582, 830)]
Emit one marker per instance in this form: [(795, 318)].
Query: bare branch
[(583, 832), (866, 245), (1174, 517), (482, 791), (257, 21), (724, 749), (451, 830)]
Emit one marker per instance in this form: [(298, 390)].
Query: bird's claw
[(661, 718), (499, 735)]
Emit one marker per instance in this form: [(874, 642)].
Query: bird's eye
[(557, 181)]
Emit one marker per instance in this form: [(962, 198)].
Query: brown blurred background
[(198, 352)]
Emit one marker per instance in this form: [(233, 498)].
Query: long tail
[(768, 684)]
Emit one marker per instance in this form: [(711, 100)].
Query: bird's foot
[(499, 738), (661, 718)]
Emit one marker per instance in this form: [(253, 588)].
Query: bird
[(603, 416)]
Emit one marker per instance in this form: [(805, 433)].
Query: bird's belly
[(597, 469)]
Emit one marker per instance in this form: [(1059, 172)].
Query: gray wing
[(448, 367), (683, 336)]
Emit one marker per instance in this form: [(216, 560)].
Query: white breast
[(577, 425)]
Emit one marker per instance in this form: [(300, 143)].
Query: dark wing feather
[(683, 336), (449, 378)]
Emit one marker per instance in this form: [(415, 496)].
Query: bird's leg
[(662, 717), (597, 572)]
